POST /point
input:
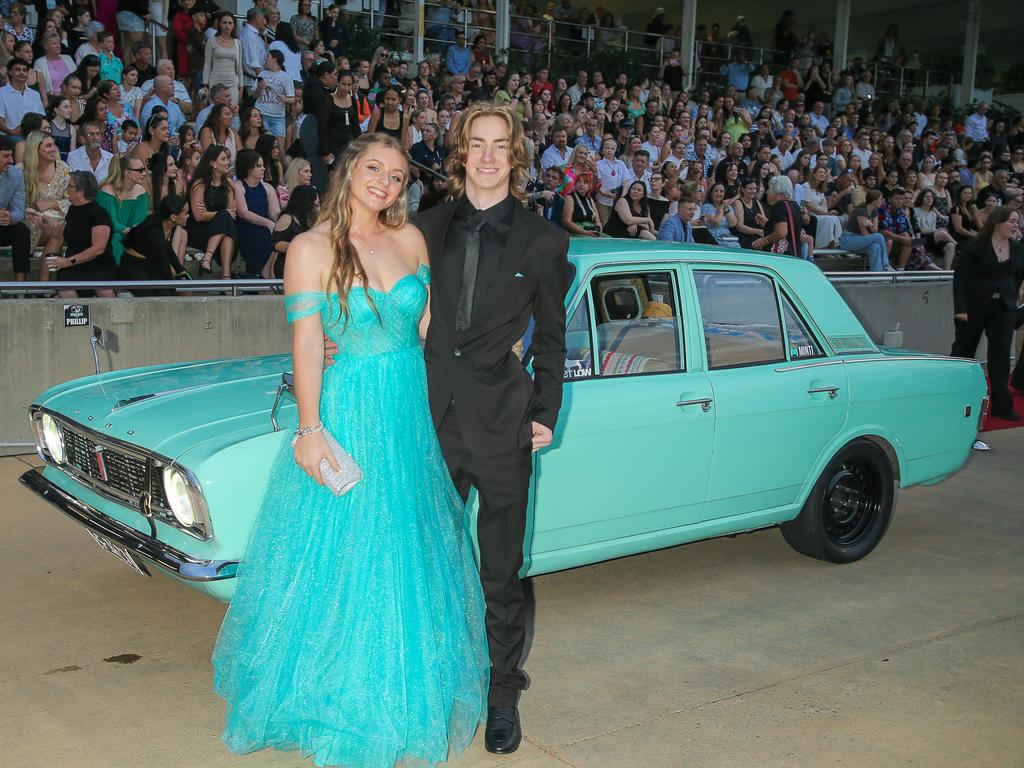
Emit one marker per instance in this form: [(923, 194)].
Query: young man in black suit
[(494, 266)]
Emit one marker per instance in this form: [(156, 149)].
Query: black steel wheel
[(849, 508)]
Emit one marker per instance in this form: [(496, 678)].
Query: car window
[(637, 319), (741, 319), (579, 358), (802, 345)]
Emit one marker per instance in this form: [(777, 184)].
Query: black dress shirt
[(493, 239)]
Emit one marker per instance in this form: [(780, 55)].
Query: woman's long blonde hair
[(116, 176), (457, 142), (346, 265), (31, 164)]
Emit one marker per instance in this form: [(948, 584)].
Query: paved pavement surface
[(732, 652)]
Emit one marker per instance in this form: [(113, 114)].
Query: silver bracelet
[(303, 431)]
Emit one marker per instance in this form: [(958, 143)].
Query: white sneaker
[(981, 445)]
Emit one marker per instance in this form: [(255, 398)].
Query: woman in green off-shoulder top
[(124, 197)]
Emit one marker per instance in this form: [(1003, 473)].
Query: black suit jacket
[(978, 276), (495, 398)]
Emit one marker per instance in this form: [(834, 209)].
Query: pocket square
[(519, 274)]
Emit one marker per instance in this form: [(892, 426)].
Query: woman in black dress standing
[(344, 120), (211, 225), (987, 289), (86, 233)]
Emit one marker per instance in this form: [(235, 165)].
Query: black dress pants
[(996, 321), (503, 485), (17, 236)]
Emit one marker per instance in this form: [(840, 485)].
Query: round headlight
[(179, 497), (53, 440)]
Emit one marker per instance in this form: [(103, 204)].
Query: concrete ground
[(732, 652)]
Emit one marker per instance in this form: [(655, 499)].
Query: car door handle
[(703, 402), (833, 392)]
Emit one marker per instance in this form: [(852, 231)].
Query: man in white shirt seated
[(91, 156), (17, 99), (783, 150), (219, 94), (639, 170), (863, 148), (976, 124), (558, 154), (181, 97), (653, 146)]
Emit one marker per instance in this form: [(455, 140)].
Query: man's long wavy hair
[(337, 213), (458, 153)]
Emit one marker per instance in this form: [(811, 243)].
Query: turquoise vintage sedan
[(707, 392)]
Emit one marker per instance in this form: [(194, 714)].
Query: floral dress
[(56, 190)]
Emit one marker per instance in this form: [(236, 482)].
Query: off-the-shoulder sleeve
[(304, 304), (423, 273)]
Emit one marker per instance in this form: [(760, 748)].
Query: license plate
[(121, 553)]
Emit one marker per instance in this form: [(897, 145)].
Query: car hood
[(171, 408)]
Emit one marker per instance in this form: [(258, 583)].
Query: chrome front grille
[(123, 474)]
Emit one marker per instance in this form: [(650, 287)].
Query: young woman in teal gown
[(356, 633)]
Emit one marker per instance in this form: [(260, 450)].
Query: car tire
[(849, 507)]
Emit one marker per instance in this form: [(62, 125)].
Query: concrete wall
[(38, 351)]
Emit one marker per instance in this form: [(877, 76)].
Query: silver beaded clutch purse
[(349, 473)]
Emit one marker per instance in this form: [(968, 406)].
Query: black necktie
[(464, 310)]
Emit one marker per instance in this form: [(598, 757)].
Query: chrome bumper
[(151, 550)]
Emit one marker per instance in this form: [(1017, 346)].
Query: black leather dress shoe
[(503, 733)]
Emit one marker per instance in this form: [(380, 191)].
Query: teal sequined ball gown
[(356, 634)]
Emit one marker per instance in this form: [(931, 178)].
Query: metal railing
[(241, 287)]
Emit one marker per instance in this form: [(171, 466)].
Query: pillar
[(688, 44), (973, 27), (840, 46), (502, 25)]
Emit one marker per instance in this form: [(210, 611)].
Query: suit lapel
[(446, 274)]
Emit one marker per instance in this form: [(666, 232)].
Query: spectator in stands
[(155, 138), (223, 58), (165, 179), (864, 90), (987, 289), (861, 234), (579, 212), (85, 233), (212, 207), (111, 66), (427, 152), (258, 211), (388, 118), (737, 72), (982, 213), (155, 249), (749, 213), (459, 57), (91, 156), (52, 67), (813, 197), (895, 222), (719, 216), (783, 232), (977, 124), (17, 99), (218, 132), (275, 92), (930, 223), (254, 48), (315, 129), (611, 175), (131, 21), (962, 217), (298, 216), (252, 127), (13, 230), (163, 96), (297, 174), (273, 168), (631, 215), (790, 82), (123, 196), (679, 228)]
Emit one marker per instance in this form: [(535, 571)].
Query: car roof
[(588, 252)]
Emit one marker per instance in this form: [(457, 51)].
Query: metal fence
[(240, 287)]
